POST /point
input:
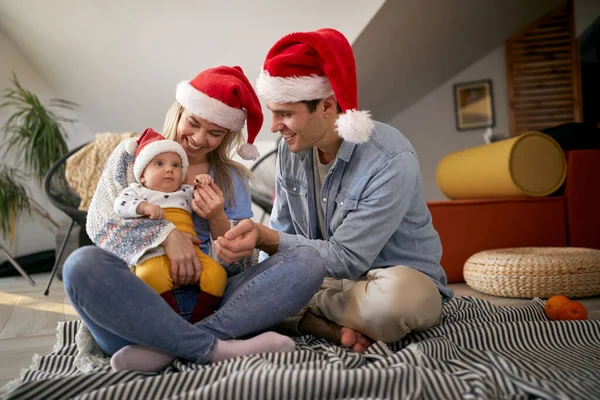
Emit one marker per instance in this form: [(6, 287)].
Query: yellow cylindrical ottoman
[(531, 164), (527, 272)]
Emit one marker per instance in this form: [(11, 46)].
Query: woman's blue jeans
[(120, 309)]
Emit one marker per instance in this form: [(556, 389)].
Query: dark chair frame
[(261, 198), (71, 208)]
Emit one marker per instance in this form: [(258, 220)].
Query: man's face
[(300, 128), (163, 173)]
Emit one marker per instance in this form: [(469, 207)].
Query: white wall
[(33, 233), (123, 59), (430, 123)]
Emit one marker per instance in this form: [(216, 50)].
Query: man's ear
[(329, 105)]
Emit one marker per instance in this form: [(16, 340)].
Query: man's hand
[(238, 242), (180, 247), (152, 211)]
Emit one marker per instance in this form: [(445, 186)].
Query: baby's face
[(163, 173)]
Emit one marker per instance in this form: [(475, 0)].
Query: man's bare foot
[(326, 329), (354, 339)]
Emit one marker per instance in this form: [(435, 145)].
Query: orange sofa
[(571, 217)]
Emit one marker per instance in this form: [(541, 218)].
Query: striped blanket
[(478, 351)]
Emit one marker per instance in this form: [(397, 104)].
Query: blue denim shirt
[(375, 212)]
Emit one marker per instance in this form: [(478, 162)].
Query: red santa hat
[(151, 144), (224, 97), (315, 65)]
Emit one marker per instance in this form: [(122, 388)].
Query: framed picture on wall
[(474, 105)]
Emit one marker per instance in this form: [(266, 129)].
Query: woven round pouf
[(527, 272)]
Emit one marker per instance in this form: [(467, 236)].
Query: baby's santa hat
[(148, 146), (305, 66), (224, 97)]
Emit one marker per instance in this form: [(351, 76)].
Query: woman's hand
[(203, 180), (208, 201), (180, 247)]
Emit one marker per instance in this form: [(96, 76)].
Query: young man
[(351, 188)]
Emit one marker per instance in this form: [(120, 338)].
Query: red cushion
[(582, 190), (469, 226)]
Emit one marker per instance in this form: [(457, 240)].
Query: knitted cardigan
[(134, 240)]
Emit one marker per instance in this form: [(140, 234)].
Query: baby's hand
[(153, 211), (203, 180)]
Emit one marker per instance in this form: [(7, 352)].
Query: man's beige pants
[(385, 305)]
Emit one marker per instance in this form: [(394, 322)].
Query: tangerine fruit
[(573, 310), (553, 304)]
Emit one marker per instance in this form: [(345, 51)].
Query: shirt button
[(324, 198), (341, 203), (294, 189)]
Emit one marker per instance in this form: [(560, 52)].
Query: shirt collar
[(345, 151)]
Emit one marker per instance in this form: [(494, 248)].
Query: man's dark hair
[(312, 105)]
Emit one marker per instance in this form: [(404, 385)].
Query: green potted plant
[(34, 138)]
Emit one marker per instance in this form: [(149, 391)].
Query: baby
[(160, 168)]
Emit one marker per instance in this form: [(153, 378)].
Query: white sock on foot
[(139, 358), (268, 342)]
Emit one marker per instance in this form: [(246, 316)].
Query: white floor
[(28, 319)]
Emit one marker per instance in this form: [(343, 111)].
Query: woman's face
[(198, 136)]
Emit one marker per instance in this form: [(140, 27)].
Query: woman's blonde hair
[(219, 159)]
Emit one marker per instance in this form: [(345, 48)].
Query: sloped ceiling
[(122, 59), (411, 47)]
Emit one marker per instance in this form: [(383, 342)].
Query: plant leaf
[(34, 132), (11, 235), (14, 198)]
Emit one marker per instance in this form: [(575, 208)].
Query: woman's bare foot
[(340, 335)]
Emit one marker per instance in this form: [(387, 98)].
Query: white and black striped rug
[(479, 351)]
